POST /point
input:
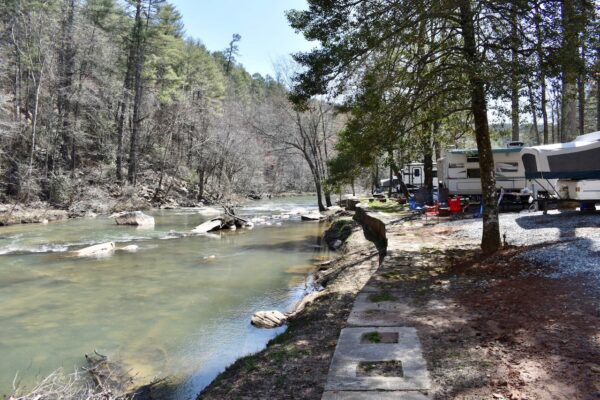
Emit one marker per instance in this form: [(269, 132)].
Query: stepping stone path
[(376, 357)]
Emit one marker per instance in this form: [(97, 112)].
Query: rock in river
[(312, 217), (134, 218), (268, 319), (208, 226), (96, 250)]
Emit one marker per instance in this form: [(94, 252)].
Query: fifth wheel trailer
[(459, 172)]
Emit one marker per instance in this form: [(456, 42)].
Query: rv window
[(507, 167), (417, 172), (473, 159), (456, 165), (473, 173)]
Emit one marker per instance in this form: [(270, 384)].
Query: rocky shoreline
[(295, 363)]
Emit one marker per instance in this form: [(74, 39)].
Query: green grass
[(390, 206), (249, 363), (373, 337), (280, 339), (383, 296)]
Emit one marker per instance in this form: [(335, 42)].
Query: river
[(168, 309)]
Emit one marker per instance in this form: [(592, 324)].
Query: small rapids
[(179, 305)]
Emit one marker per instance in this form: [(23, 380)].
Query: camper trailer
[(575, 164), (413, 176), (459, 171)]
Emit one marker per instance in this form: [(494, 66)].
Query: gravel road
[(570, 240)]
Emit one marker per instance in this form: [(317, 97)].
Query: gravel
[(569, 241)]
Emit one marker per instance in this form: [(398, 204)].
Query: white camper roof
[(573, 160), (582, 140)]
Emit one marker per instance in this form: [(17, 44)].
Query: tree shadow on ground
[(496, 325)]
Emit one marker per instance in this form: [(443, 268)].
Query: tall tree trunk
[(543, 106), (200, 183), (490, 241), (581, 93), (137, 96), (428, 161), (122, 110), (38, 84), (542, 69), (536, 130), (570, 71), (398, 173), (514, 73), (66, 70)]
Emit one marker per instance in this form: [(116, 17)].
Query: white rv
[(413, 176), (459, 171), (575, 164)]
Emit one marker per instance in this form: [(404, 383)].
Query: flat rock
[(96, 250), (208, 226), (312, 217), (268, 319), (136, 218)]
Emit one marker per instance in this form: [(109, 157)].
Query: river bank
[(515, 325), (178, 305), (295, 363)]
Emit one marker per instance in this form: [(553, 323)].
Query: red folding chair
[(456, 207)]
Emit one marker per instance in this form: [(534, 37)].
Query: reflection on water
[(167, 309)]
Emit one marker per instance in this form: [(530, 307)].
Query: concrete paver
[(383, 313), (372, 395), (349, 352)]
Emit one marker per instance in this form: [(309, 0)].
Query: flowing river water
[(169, 308)]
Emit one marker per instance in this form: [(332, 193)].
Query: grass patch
[(280, 339), (289, 352), (390, 206), (249, 363), (383, 296), (373, 337)]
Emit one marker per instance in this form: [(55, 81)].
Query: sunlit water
[(167, 309)]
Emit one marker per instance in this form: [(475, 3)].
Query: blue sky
[(266, 34)]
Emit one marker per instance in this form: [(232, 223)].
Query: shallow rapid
[(169, 308)]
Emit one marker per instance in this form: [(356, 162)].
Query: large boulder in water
[(136, 218)]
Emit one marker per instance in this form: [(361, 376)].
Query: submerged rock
[(312, 217), (96, 250), (268, 319), (136, 218), (131, 247)]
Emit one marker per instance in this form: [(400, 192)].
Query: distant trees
[(309, 131), (110, 92)]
